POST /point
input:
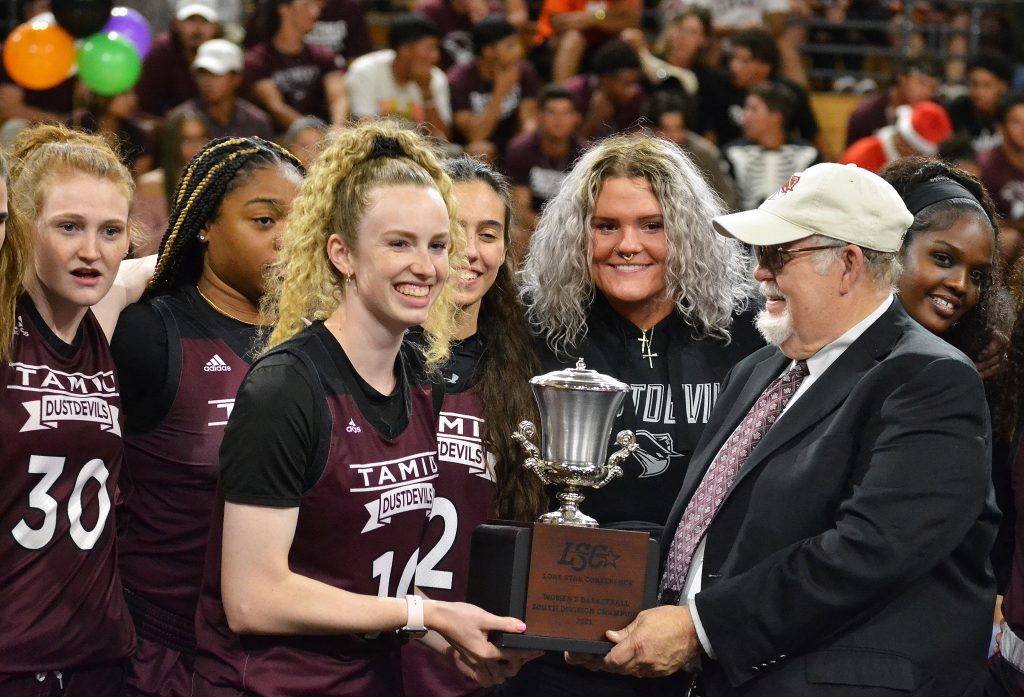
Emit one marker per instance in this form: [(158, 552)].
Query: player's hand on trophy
[(493, 672), (659, 642), (466, 628)]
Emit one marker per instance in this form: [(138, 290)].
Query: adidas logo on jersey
[(352, 428), (216, 365)]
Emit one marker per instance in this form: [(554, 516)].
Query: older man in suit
[(832, 533)]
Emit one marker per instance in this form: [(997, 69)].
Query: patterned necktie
[(701, 509)]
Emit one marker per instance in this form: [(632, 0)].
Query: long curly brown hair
[(507, 363)]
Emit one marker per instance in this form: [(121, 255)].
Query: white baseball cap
[(219, 56), (844, 202), (192, 8)]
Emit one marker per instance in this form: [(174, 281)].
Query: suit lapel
[(831, 388)]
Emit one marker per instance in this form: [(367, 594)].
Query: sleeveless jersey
[(463, 499), (359, 527), (172, 469), (61, 454)]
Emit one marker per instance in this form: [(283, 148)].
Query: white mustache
[(770, 289)]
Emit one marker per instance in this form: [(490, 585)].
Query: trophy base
[(549, 643), (570, 584), (574, 518)]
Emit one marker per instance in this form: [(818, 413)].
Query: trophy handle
[(524, 436), (627, 442)]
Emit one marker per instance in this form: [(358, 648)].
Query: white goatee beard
[(776, 330)]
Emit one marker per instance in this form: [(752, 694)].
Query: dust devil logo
[(582, 555), (655, 452)]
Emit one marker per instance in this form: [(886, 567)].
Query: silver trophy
[(577, 408)]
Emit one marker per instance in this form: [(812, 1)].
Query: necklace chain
[(225, 312)]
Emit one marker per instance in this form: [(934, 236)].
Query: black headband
[(385, 146), (937, 190)]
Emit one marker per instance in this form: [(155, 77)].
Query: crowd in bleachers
[(526, 85)]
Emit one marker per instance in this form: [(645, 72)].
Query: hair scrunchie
[(386, 146)]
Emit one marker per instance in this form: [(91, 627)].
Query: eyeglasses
[(775, 257)]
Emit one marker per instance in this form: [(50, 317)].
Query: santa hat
[(923, 126)]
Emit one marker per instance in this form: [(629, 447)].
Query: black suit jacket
[(850, 555)]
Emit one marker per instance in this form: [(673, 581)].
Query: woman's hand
[(466, 628)]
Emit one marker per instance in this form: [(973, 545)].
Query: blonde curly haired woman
[(329, 457)]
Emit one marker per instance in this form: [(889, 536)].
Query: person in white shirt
[(404, 80)]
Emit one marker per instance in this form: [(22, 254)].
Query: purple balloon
[(131, 25)]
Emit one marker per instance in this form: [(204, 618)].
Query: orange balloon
[(38, 55)]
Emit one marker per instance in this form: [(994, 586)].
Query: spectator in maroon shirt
[(610, 98), (218, 72), (166, 79), (1002, 173), (493, 97), (341, 29), (455, 20), (538, 161), (287, 77)]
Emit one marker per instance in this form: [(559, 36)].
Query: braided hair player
[(181, 354)]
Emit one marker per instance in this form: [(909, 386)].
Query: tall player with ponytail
[(181, 355), (329, 457), (64, 627)]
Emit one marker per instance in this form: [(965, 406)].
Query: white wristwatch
[(414, 627)]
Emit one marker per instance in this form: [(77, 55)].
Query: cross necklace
[(645, 347)]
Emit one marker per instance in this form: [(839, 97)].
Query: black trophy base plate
[(548, 643)]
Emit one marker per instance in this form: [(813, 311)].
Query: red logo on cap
[(788, 186)]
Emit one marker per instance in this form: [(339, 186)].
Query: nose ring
[(625, 257)]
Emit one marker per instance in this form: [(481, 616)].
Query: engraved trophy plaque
[(568, 579)]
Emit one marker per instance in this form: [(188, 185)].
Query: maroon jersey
[(61, 453), (363, 481), (172, 462), (299, 78), (463, 499)]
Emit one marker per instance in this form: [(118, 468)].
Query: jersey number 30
[(40, 499)]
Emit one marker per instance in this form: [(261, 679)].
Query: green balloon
[(108, 63)]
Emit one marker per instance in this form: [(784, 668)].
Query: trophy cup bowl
[(577, 409)]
